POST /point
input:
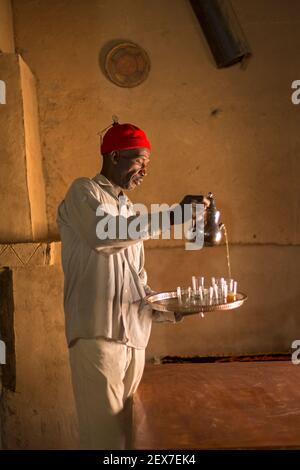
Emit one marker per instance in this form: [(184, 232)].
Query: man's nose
[(143, 171)]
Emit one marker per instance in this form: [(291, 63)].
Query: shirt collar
[(103, 181)]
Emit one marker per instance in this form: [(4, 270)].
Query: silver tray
[(168, 302)]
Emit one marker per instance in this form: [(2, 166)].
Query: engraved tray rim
[(154, 299)]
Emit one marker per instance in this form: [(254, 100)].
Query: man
[(107, 322)]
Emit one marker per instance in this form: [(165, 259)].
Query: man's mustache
[(136, 174)]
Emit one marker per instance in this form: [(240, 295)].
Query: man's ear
[(114, 156)]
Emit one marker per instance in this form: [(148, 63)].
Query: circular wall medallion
[(127, 64)]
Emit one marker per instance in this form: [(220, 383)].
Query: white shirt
[(105, 280)]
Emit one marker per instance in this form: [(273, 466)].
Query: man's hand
[(178, 317), (166, 317), (190, 199)]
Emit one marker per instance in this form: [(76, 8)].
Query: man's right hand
[(190, 199)]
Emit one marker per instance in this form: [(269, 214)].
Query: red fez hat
[(124, 137)]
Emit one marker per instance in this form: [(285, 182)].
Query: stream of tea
[(227, 252)]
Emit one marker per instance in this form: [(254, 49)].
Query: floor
[(233, 405)]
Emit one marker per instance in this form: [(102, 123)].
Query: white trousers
[(105, 375)]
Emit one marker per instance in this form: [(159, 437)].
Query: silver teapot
[(212, 227)]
